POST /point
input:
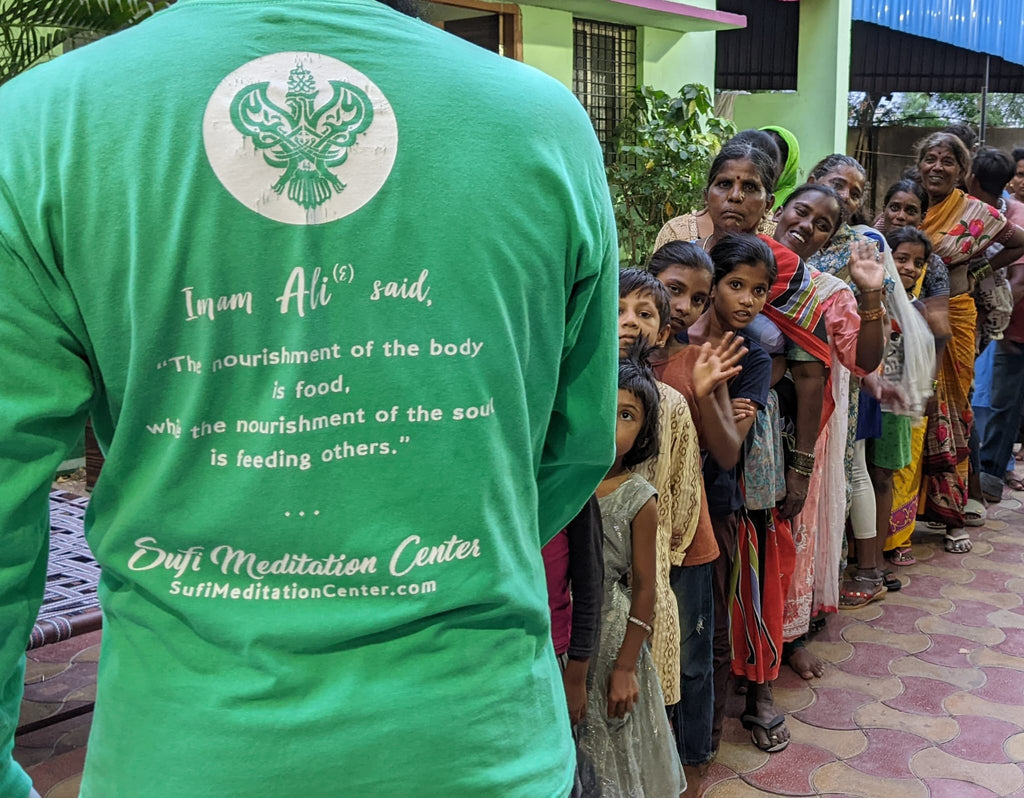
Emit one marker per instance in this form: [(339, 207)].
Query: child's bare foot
[(803, 662), (695, 775)]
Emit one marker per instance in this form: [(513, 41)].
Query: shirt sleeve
[(579, 446), (586, 576), (755, 379), (45, 388)]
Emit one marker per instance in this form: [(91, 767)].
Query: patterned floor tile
[(965, 678), (1007, 619), (938, 625), (1014, 748), (909, 643), (1001, 599), (834, 708), (888, 754), (1002, 685), (947, 788), (937, 764), (968, 704), (978, 563), (945, 573), (970, 613), (922, 696), (1013, 644), (899, 618), (877, 688), (871, 659), (949, 651), (789, 772), (933, 604), (840, 777), (986, 657), (880, 716), (842, 744), (741, 757), (834, 652), (733, 788), (981, 740)]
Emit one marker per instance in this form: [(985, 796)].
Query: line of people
[(794, 397)]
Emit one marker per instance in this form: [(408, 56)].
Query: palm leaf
[(34, 30)]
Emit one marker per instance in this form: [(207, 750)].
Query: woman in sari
[(961, 228)]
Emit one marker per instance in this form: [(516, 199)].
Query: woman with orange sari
[(961, 229)]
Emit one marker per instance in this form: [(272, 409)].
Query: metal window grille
[(604, 75)]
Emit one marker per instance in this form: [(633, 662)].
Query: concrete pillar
[(817, 112)]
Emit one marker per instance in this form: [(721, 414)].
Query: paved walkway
[(924, 696)]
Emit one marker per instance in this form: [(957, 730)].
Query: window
[(604, 75), (495, 27)]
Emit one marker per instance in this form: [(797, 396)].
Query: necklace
[(704, 245)]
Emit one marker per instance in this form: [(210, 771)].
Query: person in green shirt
[(337, 290)]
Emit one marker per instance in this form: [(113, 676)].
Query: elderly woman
[(961, 228)]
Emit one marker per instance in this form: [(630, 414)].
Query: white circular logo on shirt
[(300, 138)]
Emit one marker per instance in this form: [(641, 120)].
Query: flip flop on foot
[(902, 555), (767, 735), (1014, 484), (958, 542), (891, 581)]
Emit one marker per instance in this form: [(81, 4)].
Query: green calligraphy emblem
[(305, 141)]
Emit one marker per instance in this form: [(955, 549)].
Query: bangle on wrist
[(875, 314), (801, 471), (642, 624)]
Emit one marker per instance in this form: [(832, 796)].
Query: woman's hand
[(888, 393), (743, 409), (717, 364), (623, 692), (796, 494), (866, 269)]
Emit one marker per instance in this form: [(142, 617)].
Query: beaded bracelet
[(645, 626), (871, 315)]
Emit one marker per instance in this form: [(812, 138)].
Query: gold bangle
[(871, 315)]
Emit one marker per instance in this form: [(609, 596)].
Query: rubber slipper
[(902, 555), (891, 582), (1014, 484), (750, 721), (974, 513), (958, 544)]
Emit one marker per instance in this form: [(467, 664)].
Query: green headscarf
[(788, 179)]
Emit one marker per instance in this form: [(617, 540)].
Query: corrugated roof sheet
[(995, 27)]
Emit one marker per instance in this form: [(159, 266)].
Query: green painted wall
[(668, 60), (665, 59), (547, 41), (817, 111)]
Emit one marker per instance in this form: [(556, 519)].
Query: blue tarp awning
[(995, 27)]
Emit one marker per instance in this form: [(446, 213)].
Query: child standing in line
[(625, 732), (701, 375)]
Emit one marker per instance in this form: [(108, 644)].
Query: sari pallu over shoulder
[(962, 227)]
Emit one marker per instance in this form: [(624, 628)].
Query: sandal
[(860, 597), (958, 543), (774, 744), (1013, 483), (902, 555), (890, 580), (974, 513)]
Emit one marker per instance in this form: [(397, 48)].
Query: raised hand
[(717, 364), (866, 269)]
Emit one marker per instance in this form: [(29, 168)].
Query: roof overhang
[(664, 14)]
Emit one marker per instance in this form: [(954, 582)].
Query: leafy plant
[(665, 147), (35, 30)]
